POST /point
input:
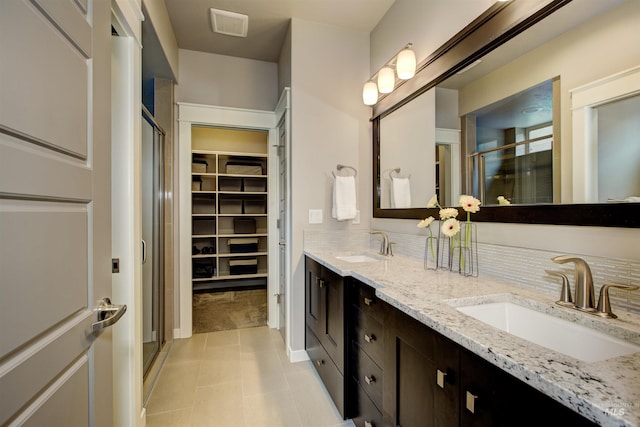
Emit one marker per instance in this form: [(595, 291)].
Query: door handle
[(144, 252), (108, 314)]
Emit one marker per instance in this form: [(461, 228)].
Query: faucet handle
[(565, 292), (604, 304)]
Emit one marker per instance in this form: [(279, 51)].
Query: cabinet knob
[(440, 378), (368, 301), (368, 424), (471, 402), (369, 338), (369, 380), (319, 362)]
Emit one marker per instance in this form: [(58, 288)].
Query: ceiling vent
[(229, 23)]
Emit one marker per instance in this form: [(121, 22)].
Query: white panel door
[(55, 232)]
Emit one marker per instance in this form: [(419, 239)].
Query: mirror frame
[(494, 27)]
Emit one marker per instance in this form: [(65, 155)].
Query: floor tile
[(220, 405), (275, 409), (223, 338), (183, 350), (175, 388), (178, 418)]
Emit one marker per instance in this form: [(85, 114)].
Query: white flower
[(448, 213), (503, 202), (426, 222), (450, 227), (469, 203), (433, 201)]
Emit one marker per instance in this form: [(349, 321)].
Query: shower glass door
[(153, 201)]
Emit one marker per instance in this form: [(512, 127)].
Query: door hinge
[(115, 265)]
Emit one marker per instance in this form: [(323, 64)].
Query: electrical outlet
[(315, 216)]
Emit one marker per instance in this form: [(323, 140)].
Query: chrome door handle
[(144, 252), (369, 338), (369, 379), (108, 314)]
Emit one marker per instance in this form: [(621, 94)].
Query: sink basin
[(549, 331), (357, 258)]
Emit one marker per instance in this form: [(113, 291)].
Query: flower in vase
[(450, 227), (502, 201), (469, 203), (446, 213), (433, 202), (425, 223)]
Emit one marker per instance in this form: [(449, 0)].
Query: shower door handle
[(144, 252)]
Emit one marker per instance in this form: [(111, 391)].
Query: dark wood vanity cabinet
[(382, 367), (421, 382), (325, 296), (367, 343)]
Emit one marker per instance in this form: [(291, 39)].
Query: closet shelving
[(229, 219)]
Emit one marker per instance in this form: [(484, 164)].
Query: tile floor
[(238, 378)]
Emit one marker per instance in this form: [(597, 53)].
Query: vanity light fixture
[(384, 80)]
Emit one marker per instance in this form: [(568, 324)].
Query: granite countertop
[(607, 391)]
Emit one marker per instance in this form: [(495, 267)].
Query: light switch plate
[(315, 216)]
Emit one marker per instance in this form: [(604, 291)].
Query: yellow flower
[(448, 213), (450, 227), (433, 201), (426, 222), (469, 203), (503, 202)]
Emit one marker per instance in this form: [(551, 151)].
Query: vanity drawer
[(367, 374), (368, 333), (331, 377), (364, 297), (368, 415)]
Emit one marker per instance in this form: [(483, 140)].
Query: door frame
[(209, 115)]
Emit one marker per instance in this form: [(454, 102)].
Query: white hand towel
[(400, 192), (344, 198)]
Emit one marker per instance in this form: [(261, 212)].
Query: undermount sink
[(357, 258), (544, 329)]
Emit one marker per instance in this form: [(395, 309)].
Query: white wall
[(284, 63), (426, 24), (329, 126), (227, 81)]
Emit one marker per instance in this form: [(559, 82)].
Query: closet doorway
[(153, 204)]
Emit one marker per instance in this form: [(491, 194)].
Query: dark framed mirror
[(504, 22)]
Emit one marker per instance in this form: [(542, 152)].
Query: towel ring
[(340, 167)]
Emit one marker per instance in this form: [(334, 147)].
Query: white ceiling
[(268, 22)]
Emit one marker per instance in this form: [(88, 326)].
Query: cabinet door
[(314, 293), (332, 297), (414, 394)]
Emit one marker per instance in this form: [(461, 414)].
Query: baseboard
[(177, 334), (297, 355)]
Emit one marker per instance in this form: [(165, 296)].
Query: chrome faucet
[(385, 245), (584, 294)]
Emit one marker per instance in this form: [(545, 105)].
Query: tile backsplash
[(521, 266)]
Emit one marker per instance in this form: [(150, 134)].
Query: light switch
[(315, 216)]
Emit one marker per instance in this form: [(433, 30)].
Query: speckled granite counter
[(607, 392)]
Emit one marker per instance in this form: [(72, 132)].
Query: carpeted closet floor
[(225, 310)]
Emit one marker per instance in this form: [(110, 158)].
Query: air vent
[(229, 23)]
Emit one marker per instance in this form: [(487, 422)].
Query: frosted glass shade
[(406, 64), (370, 93), (386, 80)]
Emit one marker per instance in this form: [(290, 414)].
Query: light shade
[(386, 80), (406, 64), (370, 93)]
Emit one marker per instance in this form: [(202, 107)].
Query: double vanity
[(398, 345)]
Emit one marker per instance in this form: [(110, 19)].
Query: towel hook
[(396, 170), (340, 167)]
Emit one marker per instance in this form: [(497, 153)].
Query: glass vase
[(467, 249), (431, 253), (445, 252)]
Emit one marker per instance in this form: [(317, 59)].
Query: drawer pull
[(319, 362), (471, 402), (320, 282), (369, 380), (440, 378), (368, 301), (369, 338), (369, 424)]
